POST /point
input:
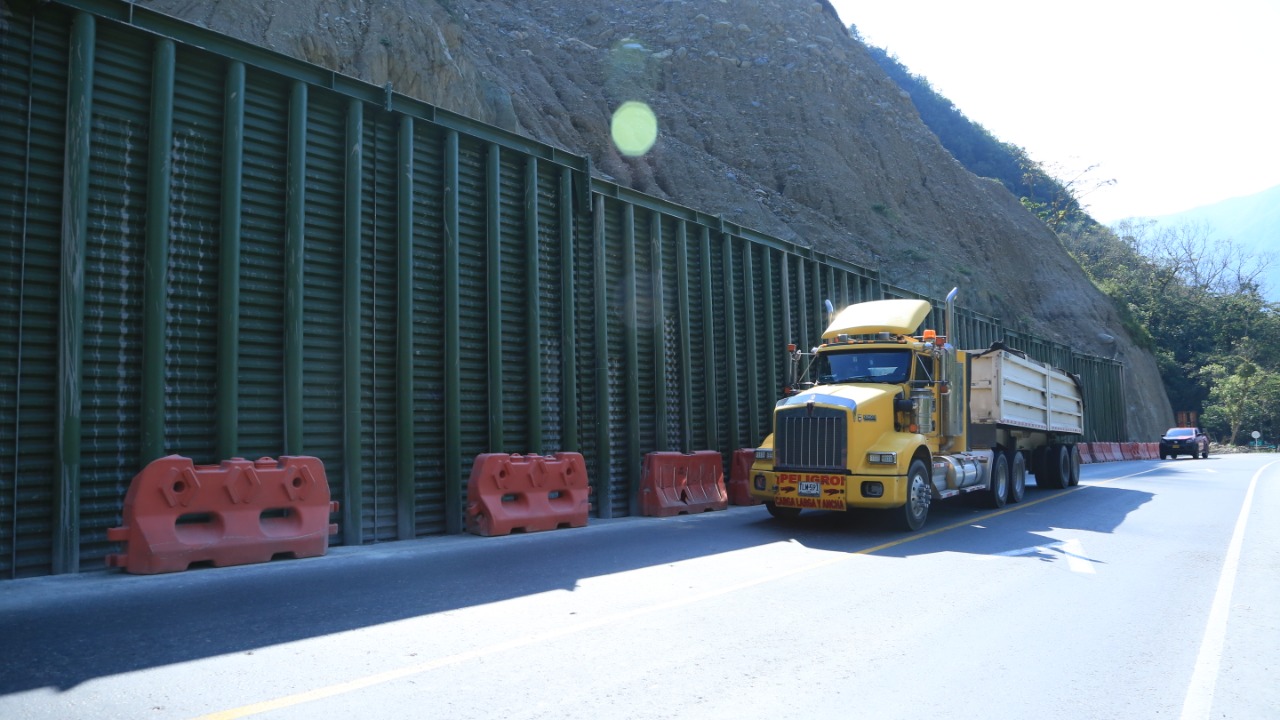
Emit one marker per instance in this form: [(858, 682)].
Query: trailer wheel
[(1057, 469), (999, 493), (1017, 476), (782, 513), (1039, 459), (919, 493), (1074, 463)]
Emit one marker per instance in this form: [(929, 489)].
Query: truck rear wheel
[(1057, 468), (919, 493), (1039, 459), (1017, 476), (999, 492), (782, 513), (1074, 454)]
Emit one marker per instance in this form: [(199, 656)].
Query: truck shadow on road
[(964, 524)]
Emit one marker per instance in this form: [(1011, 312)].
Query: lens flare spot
[(634, 128)]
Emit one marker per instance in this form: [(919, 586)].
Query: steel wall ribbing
[(316, 265)]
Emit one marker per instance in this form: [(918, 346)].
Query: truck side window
[(922, 369)]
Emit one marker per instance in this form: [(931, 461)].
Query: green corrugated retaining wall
[(213, 250)]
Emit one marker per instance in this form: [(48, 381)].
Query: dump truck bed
[(1007, 388)]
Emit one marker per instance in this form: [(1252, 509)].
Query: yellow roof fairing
[(900, 317)]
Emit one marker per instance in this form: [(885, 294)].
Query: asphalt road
[(1149, 591)]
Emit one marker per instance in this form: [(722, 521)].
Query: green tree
[(1243, 397)]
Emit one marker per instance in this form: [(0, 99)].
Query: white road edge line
[(1199, 700)]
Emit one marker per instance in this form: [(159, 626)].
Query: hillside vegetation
[(1191, 295), (1252, 222)]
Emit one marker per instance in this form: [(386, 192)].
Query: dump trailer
[(878, 418)]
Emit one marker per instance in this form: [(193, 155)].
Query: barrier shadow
[(59, 632), (63, 631)]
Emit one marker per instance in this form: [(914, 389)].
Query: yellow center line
[(516, 643)]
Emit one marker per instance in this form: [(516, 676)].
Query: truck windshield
[(877, 366)]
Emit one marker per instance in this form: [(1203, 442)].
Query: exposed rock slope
[(769, 113)]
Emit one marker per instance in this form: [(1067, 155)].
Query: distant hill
[(1253, 222)]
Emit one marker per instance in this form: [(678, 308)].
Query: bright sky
[(1178, 101)]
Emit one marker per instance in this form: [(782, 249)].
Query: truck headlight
[(759, 481), (764, 453), (882, 458)]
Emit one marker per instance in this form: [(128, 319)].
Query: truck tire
[(1057, 469), (782, 513), (1074, 454), (919, 493), (1017, 476), (1038, 463), (999, 491)]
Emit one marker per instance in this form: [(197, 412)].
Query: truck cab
[(885, 421)]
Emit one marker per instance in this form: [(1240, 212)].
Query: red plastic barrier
[(740, 477), (529, 493), (1113, 452), (1153, 451), (676, 483), (1086, 454), (238, 512)]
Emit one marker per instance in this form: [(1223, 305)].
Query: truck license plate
[(804, 490)]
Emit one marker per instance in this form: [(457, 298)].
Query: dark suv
[(1184, 441)]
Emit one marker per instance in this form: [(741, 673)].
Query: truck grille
[(810, 439)]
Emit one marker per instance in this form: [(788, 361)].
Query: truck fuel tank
[(952, 472)]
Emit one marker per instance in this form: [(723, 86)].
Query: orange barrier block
[(238, 512), (1113, 452), (677, 483), (528, 493), (1153, 451), (1086, 454), (1101, 452), (740, 477)]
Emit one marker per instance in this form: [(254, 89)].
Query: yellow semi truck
[(894, 421)]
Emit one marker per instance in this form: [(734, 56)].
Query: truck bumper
[(817, 491)]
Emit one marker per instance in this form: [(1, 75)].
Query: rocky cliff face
[(768, 112)]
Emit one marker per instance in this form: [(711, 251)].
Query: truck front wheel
[(999, 480), (919, 493), (782, 513)]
